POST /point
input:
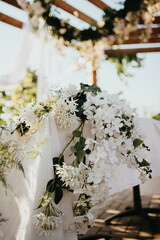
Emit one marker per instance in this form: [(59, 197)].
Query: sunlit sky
[(142, 91)]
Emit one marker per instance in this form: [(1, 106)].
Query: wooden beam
[(11, 21), (97, 3), (74, 11), (133, 50), (100, 4), (12, 2)]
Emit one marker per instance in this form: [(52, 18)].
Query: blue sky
[(142, 90)]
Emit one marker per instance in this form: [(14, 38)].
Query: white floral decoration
[(115, 138)]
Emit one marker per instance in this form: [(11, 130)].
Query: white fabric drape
[(20, 202), (34, 51), (18, 69)]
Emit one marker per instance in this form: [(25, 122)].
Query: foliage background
[(10, 101)]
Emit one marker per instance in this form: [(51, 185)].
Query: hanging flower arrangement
[(115, 138)]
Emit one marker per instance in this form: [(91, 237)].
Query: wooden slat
[(156, 21), (153, 39), (100, 4), (138, 32), (133, 50), (11, 21), (68, 8)]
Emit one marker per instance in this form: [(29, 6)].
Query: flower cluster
[(64, 109), (118, 137), (48, 221), (92, 54), (115, 138), (74, 177)]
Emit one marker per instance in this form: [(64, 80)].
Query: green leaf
[(51, 185), (61, 160), (82, 142), (76, 133), (144, 163), (75, 163), (22, 128), (58, 195), (88, 88), (73, 149), (88, 151), (55, 160), (80, 114), (137, 142), (80, 155)]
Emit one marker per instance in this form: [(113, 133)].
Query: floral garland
[(116, 25), (115, 138), (92, 42)]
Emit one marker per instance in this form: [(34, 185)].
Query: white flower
[(34, 21), (64, 111), (22, 3), (47, 225), (72, 176), (90, 143), (27, 115), (142, 177), (37, 8), (62, 30), (81, 224), (71, 90)]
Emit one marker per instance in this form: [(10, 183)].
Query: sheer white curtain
[(34, 51), (18, 70)]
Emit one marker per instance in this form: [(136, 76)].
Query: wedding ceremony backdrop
[(122, 62), (73, 145)]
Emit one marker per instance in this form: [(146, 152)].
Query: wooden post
[(94, 72), (94, 77)]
